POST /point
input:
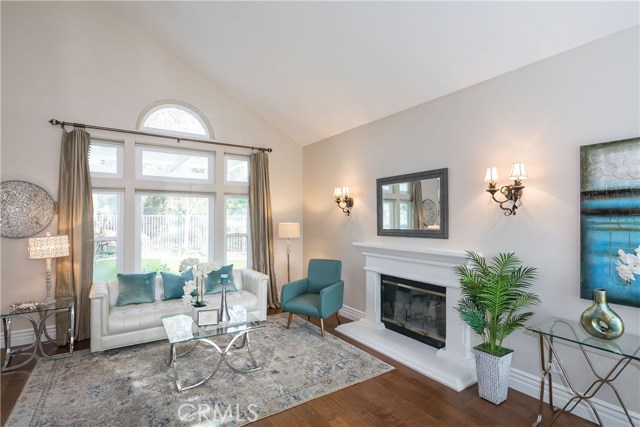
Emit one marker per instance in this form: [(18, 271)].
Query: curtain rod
[(55, 122)]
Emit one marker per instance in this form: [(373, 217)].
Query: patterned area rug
[(134, 386)]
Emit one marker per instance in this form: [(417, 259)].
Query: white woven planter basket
[(493, 375)]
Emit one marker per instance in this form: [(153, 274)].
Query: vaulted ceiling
[(316, 69)]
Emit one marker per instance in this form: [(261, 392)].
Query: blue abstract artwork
[(609, 217)]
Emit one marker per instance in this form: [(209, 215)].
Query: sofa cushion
[(173, 284), (138, 317), (212, 282), (136, 288)]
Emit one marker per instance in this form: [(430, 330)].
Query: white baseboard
[(351, 313), (611, 415), (25, 336), (524, 382)]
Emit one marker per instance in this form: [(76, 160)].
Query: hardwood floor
[(401, 397)]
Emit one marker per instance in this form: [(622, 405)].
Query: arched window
[(175, 117)]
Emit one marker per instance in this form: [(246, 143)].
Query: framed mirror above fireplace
[(414, 205)]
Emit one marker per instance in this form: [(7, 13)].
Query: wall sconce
[(511, 193), (344, 201)]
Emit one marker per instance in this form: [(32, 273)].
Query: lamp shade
[(288, 230), (518, 172), (491, 175), (341, 191), (48, 247)]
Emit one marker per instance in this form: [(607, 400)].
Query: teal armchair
[(320, 294)]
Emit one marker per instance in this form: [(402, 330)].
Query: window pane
[(387, 215), (403, 187), (173, 164), (172, 228), (105, 231), (237, 169), (103, 159), (175, 119), (405, 216), (236, 230)]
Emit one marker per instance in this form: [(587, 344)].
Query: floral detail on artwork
[(628, 265)]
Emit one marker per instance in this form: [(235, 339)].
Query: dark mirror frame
[(443, 232)]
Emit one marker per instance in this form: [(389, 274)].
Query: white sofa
[(113, 327)]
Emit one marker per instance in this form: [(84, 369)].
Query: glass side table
[(27, 311), (626, 348)]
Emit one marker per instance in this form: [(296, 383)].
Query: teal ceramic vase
[(600, 320)]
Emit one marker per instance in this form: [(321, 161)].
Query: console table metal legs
[(588, 394), (174, 355), (39, 328)]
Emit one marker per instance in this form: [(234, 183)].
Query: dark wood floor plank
[(400, 398)]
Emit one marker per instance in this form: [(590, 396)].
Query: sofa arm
[(331, 299), (292, 290), (256, 283), (99, 298)]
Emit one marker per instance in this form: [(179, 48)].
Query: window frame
[(211, 164), (120, 224), (228, 156), (129, 185), (174, 103), (119, 146), (227, 235)]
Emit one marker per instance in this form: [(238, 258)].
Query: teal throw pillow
[(174, 284), (136, 288), (212, 282)]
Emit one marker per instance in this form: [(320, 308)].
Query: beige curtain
[(75, 218), (416, 203), (261, 223)]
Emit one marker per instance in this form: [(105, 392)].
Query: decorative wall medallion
[(26, 209)]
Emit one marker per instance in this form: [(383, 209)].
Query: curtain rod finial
[(55, 122)]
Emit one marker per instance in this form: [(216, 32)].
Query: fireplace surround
[(453, 365)]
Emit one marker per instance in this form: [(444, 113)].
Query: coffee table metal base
[(174, 356)]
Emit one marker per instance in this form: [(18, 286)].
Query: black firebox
[(415, 309)]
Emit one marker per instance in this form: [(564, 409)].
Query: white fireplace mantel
[(452, 365)]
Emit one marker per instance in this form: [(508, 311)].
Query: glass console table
[(625, 348), (44, 311)]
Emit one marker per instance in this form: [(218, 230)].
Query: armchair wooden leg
[(338, 317), (322, 326), (289, 321)]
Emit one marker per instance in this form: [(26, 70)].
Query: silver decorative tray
[(27, 306)]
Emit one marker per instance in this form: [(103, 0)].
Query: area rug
[(134, 386)]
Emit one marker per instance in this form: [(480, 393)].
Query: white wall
[(76, 61), (540, 114)]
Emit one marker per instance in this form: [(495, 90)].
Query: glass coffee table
[(182, 329)]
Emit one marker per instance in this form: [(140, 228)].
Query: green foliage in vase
[(493, 297)]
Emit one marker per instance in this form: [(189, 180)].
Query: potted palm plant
[(492, 302)]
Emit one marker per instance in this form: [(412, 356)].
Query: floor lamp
[(288, 230), (46, 248)]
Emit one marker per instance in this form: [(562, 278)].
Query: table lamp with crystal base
[(46, 248), (288, 230)]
